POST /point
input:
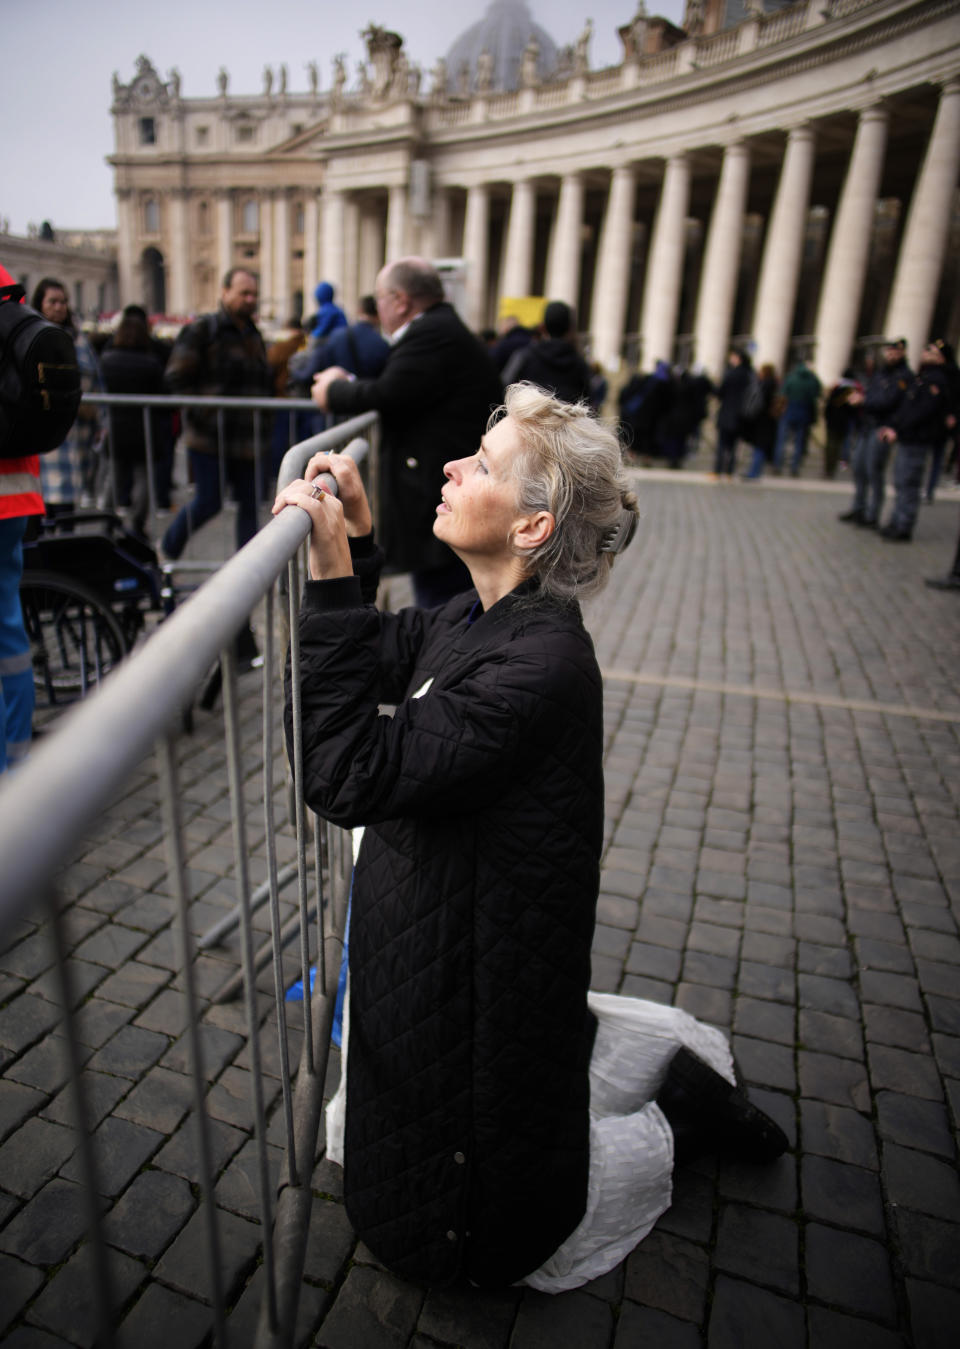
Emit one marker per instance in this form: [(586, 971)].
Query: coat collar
[(480, 627)]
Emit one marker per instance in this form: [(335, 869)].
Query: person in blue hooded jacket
[(329, 316)]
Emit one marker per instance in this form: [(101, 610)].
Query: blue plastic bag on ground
[(295, 991)]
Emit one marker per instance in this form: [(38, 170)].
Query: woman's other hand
[(329, 549), (356, 509)]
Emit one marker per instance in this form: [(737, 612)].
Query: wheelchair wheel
[(74, 636)]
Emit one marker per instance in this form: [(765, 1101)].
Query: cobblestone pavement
[(783, 860)]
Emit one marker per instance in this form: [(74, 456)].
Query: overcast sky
[(59, 56)]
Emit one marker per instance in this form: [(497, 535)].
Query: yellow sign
[(526, 309)]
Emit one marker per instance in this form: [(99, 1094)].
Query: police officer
[(918, 423), (883, 395)]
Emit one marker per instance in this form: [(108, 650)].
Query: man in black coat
[(434, 397)]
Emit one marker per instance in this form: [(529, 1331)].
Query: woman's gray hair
[(571, 465)]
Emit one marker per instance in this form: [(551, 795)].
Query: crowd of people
[(882, 413)]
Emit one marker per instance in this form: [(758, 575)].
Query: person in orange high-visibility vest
[(19, 499)]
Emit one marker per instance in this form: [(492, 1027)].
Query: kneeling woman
[(500, 1124)]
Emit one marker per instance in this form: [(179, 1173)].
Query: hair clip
[(616, 538)]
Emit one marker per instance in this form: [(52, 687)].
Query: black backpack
[(39, 379)]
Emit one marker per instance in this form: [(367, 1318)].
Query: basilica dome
[(504, 32)]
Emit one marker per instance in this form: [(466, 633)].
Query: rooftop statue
[(528, 64), (484, 80), (581, 55), (339, 76)]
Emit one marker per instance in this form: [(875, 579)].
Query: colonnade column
[(721, 266), (611, 281), (397, 222), (475, 235), (563, 262), (518, 254), (311, 246), (224, 235), (281, 255), (266, 255), (925, 238), (841, 287), (783, 252), (179, 299), (661, 292), (331, 254)]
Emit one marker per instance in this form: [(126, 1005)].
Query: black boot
[(708, 1114)]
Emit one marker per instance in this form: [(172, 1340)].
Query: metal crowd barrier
[(265, 412), (76, 771)]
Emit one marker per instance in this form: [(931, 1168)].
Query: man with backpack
[(221, 354)]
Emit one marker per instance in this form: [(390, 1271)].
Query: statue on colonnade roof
[(383, 49)]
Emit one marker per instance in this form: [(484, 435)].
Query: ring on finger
[(317, 492)]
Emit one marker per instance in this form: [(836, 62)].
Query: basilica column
[(130, 288), (397, 222), (346, 284), (281, 254), (518, 254), (267, 292), (435, 228), (925, 238), (612, 278), (311, 243), (475, 241), (334, 211), (224, 234), (841, 288), (783, 252), (563, 262), (721, 264), (179, 298), (661, 291), (371, 249)]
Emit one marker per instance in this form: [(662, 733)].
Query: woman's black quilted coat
[(474, 896)]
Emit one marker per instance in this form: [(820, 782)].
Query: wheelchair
[(88, 587)]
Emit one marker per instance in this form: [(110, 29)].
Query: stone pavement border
[(782, 712)]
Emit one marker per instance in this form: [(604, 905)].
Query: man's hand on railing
[(322, 382)]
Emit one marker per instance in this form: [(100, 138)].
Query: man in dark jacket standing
[(434, 397), (919, 423), (553, 363), (881, 400), (221, 354), (732, 391)]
